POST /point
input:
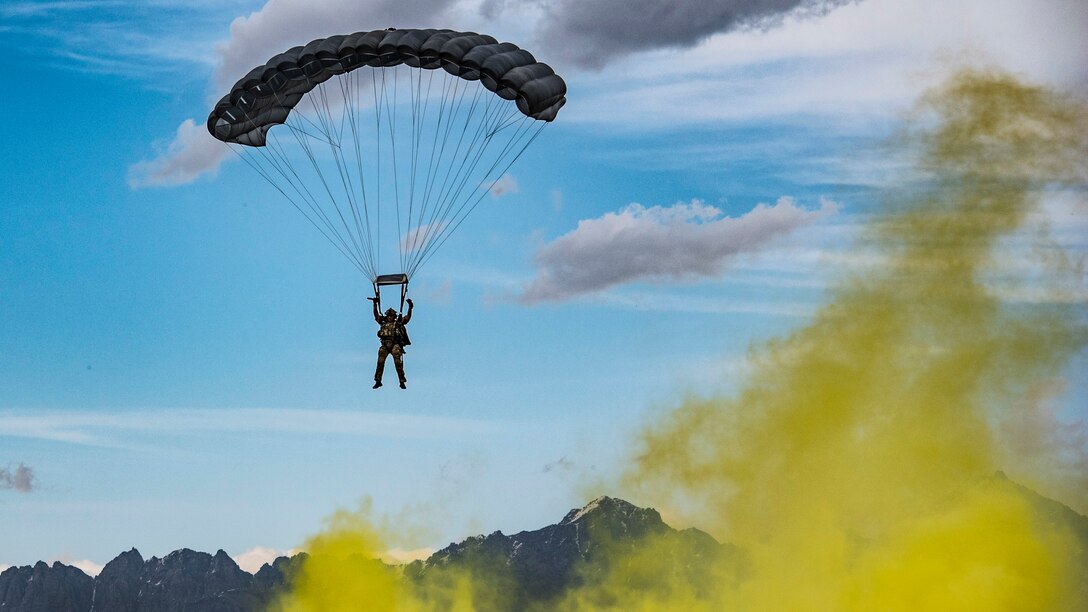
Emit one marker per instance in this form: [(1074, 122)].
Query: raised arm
[(408, 316), (377, 315)]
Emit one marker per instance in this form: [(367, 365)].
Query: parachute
[(417, 124)]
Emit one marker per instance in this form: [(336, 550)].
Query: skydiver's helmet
[(390, 313)]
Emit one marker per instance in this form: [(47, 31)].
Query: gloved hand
[(410, 301)]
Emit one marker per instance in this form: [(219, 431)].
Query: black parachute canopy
[(266, 95)]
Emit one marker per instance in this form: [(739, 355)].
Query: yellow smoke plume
[(344, 572), (856, 467), (343, 567)]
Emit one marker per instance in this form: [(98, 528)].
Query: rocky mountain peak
[(606, 508)]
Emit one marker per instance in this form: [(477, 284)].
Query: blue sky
[(184, 362)]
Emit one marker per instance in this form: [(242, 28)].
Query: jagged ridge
[(532, 568)]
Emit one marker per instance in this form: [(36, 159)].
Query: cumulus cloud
[(400, 556), (254, 38), (683, 242), (85, 565), (192, 152), (252, 559), (504, 185), (19, 478), (280, 24), (593, 33), (421, 235), (586, 33)]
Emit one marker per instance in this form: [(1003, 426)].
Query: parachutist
[(394, 337)]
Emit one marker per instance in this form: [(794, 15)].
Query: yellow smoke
[(342, 568), (344, 572), (855, 468), (854, 463)]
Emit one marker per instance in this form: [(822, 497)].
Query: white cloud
[(192, 152), (503, 185), (683, 242), (117, 428), (399, 556), (253, 559), (89, 567), (421, 236), (594, 33), (869, 59), (138, 40), (647, 301), (863, 60), (278, 25), (281, 24)]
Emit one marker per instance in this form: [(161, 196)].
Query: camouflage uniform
[(394, 337)]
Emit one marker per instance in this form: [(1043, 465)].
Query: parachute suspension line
[(305, 145), (337, 151), (341, 164), (252, 163), (448, 114), (300, 115), (432, 166), (355, 95), (435, 216), (491, 121), (377, 155), (436, 243), (372, 224), (383, 107), (475, 150), (419, 116), (475, 137), (275, 151), (348, 115), (281, 166), (415, 94), (391, 120)]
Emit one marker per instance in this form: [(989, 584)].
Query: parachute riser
[(386, 280)]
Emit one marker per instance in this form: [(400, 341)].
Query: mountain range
[(533, 569)]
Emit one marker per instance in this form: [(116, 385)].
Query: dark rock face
[(183, 581), (530, 570), (537, 567), (527, 569), (44, 588), (117, 587), (271, 580)]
